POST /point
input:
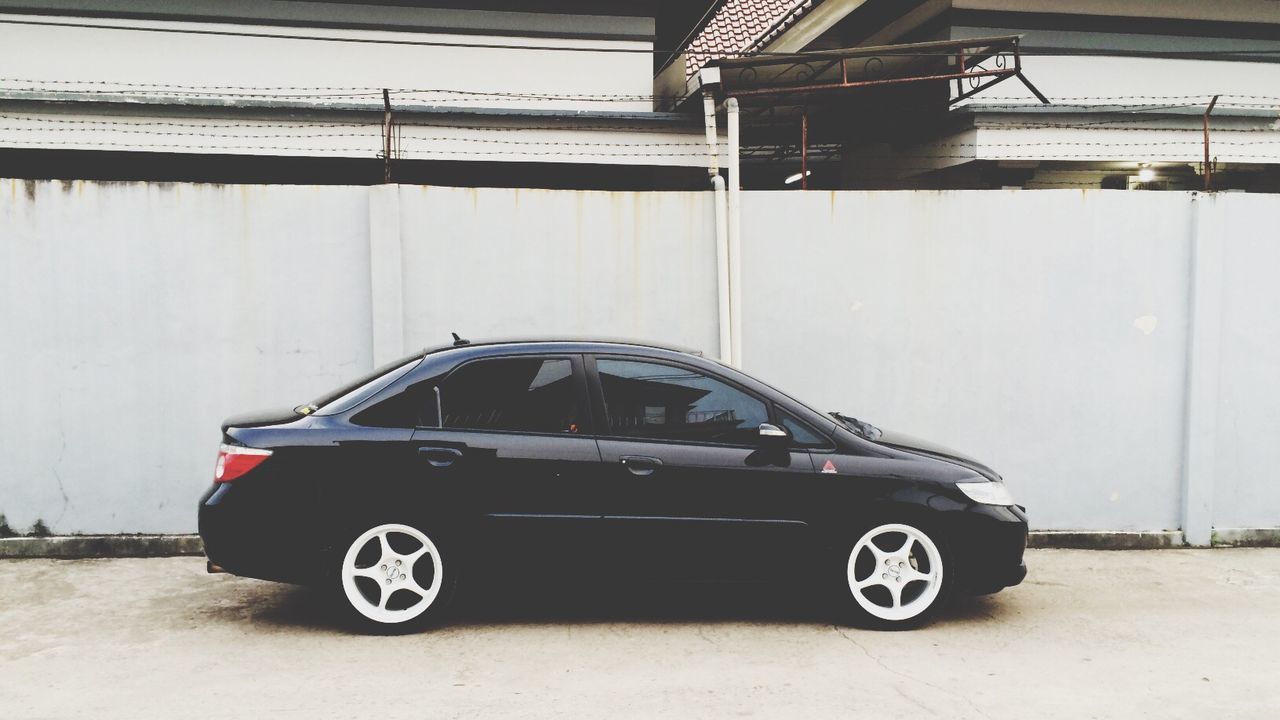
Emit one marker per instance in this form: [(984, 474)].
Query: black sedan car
[(598, 459)]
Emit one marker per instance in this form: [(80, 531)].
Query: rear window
[(352, 394)]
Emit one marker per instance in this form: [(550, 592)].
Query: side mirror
[(772, 434)]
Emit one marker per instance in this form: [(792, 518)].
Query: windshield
[(350, 395)]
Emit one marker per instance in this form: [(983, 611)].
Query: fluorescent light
[(795, 178), (1146, 174)]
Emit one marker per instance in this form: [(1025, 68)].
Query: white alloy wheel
[(895, 572), (392, 573)]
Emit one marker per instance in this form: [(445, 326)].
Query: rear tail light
[(235, 460)]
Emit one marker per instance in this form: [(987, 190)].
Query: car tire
[(392, 577), (893, 575)]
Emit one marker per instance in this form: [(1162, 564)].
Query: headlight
[(986, 492)]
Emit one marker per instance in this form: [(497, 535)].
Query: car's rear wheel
[(896, 576), (393, 578)]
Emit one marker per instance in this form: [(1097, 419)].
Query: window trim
[(586, 427), (828, 443), (606, 427)]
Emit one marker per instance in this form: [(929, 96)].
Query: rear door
[(516, 430), (690, 490)]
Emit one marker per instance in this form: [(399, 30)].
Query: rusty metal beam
[(1208, 168), (991, 45), (866, 83), (965, 64), (387, 136), (804, 150)]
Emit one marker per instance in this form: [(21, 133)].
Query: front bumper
[(988, 542)]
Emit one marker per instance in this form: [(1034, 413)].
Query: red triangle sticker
[(830, 467)]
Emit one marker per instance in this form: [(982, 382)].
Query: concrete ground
[(1166, 633)]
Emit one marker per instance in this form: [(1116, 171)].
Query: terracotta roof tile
[(739, 26)]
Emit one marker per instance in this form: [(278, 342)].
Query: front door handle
[(641, 465), (440, 457)]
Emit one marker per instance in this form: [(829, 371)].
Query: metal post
[(387, 136), (710, 77), (735, 232), (1208, 169), (804, 149)]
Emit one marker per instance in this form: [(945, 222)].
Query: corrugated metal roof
[(744, 26)]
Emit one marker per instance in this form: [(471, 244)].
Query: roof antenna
[(459, 342)]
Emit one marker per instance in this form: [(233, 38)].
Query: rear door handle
[(640, 464), (440, 457)]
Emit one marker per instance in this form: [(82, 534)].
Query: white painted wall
[(1247, 478), (1045, 332), (545, 263), (1117, 81), (135, 317), (310, 62)]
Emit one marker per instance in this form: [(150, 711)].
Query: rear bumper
[(243, 537)]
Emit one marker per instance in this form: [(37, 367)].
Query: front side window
[(515, 394), (801, 434), (652, 400)]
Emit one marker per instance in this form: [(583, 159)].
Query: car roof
[(566, 345)]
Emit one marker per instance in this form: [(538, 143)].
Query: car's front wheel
[(393, 578), (895, 576)]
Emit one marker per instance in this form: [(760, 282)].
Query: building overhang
[(666, 24)]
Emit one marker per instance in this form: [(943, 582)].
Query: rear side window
[(413, 406), (652, 400), (515, 394), (354, 393)]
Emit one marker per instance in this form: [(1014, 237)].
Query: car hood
[(261, 418), (918, 446)]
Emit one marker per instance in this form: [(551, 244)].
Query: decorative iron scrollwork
[(873, 68)]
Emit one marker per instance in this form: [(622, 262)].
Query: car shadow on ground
[(500, 603)]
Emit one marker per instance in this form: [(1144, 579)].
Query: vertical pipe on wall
[(709, 116), (721, 221), (735, 233), (722, 272)]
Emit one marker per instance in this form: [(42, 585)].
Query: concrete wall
[(1111, 353)]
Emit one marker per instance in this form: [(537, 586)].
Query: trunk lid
[(262, 418)]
